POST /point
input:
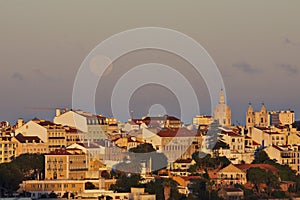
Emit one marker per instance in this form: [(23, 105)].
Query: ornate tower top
[(222, 97)]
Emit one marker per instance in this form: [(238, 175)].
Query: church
[(222, 111)]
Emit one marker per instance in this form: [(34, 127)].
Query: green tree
[(256, 176), (124, 183)]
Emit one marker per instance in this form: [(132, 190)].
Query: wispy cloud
[(17, 76), (287, 41), (292, 69), (45, 75), (246, 68)]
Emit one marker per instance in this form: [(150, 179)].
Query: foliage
[(157, 187), (24, 167), (296, 124), (124, 183), (89, 186), (207, 161), (143, 153)]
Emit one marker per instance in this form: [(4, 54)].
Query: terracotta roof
[(231, 134), (184, 161), (21, 138), (179, 132), (60, 152), (245, 167)]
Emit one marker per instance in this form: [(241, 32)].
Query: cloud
[(17, 76), (292, 69), (289, 42), (246, 68), (45, 75)]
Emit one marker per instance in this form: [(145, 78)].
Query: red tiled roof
[(231, 134), (21, 138), (179, 132), (184, 161), (245, 167)]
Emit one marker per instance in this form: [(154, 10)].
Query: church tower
[(249, 117), (263, 117), (222, 111)]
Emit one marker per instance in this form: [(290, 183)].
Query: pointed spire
[(222, 97)]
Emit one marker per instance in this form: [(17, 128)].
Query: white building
[(94, 125)]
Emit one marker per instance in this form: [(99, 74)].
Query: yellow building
[(75, 188), (66, 164), (52, 134), (285, 155), (202, 120), (7, 147), (231, 175), (30, 144)]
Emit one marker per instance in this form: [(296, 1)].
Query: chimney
[(20, 122), (57, 112)]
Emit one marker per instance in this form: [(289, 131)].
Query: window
[(233, 140)]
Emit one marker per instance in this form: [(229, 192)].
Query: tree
[(124, 183), (261, 157), (24, 167), (157, 187), (256, 176)]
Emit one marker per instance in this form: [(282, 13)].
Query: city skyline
[(41, 52)]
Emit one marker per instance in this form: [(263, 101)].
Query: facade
[(65, 164), (285, 155), (222, 112), (268, 136), (202, 120), (30, 144), (8, 147), (283, 117), (231, 175), (174, 143), (50, 133), (94, 126), (74, 187), (231, 193)]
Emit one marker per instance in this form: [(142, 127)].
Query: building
[(50, 133), (260, 118), (95, 126), (231, 175), (267, 136), (30, 144), (8, 147), (174, 143), (222, 112), (285, 155), (235, 141), (202, 120), (65, 164), (231, 193), (74, 188), (283, 117)]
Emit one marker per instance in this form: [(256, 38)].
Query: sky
[(255, 44)]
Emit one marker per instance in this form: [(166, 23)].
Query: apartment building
[(7, 147), (95, 126), (285, 155), (66, 164), (30, 145), (231, 175)]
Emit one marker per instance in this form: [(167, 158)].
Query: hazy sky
[(256, 45)]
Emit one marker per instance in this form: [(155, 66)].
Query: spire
[(250, 109), (222, 97), (263, 108)]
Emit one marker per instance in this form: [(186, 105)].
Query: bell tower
[(250, 116)]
